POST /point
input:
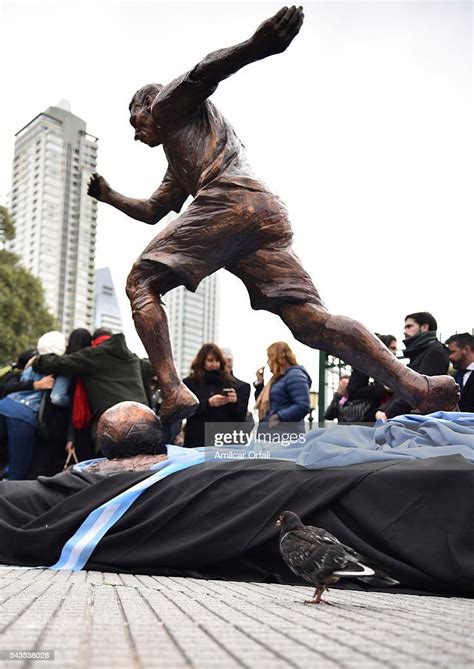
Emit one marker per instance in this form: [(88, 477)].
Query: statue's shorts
[(242, 229)]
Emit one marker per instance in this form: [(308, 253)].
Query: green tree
[(24, 315), (7, 229)]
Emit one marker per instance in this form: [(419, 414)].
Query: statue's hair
[(144, 95)]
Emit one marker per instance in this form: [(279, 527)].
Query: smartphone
[(226, 391)]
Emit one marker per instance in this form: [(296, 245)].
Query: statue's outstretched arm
[(273, 36), (184, 94), (169, 196)]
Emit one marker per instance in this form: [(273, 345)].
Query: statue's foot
[(442, 394), (177, 405)]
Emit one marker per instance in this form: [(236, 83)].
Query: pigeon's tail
[(363, 570), (370, 575)]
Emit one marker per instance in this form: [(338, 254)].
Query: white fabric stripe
[(96, 527)]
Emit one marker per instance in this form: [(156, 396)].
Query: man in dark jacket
[(461, 355), (111, 373), (427, 356)]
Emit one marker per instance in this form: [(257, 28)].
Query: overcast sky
[(363, 127)]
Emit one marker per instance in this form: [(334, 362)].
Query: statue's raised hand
[(276, 33), (98, 187)]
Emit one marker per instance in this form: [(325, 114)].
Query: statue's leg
[(276, 281), (145, 285), (349, 340)]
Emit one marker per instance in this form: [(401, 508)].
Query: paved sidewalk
[(92, 619)]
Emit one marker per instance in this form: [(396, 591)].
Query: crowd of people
[(358, 399), (53, 396), (51, 399)]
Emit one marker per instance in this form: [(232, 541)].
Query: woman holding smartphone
[(214, 387)]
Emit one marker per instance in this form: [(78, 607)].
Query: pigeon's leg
[(318, 593)]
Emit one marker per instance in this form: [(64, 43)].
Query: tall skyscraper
[(193, 320), (107, 310), (55, 219)]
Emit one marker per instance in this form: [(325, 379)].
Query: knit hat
[(52, 342)]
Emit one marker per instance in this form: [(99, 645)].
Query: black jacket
[(430, 359), (12, 383), (466, 403), (243, 393), (332, 411), (195, 432), (111, 373), (360, 388)]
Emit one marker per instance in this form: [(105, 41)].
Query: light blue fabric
[(59, 393), (402, 438), (406, 437)]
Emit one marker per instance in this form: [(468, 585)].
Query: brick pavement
[(103, 620)]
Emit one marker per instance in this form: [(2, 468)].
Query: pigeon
[(321, 559)]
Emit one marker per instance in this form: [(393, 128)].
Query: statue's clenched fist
[(276, 33), (98, 187)]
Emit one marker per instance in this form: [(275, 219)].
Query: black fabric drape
[(217, 520)]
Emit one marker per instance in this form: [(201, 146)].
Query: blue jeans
[(20, 437)]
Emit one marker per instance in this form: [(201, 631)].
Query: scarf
[(419, 342), (100, 340), (81, 411), (213, 377), (263, 400)]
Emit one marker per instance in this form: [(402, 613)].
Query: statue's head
[(141, 117), (128, 429)]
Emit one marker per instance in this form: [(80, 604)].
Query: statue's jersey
[(199, 143)]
